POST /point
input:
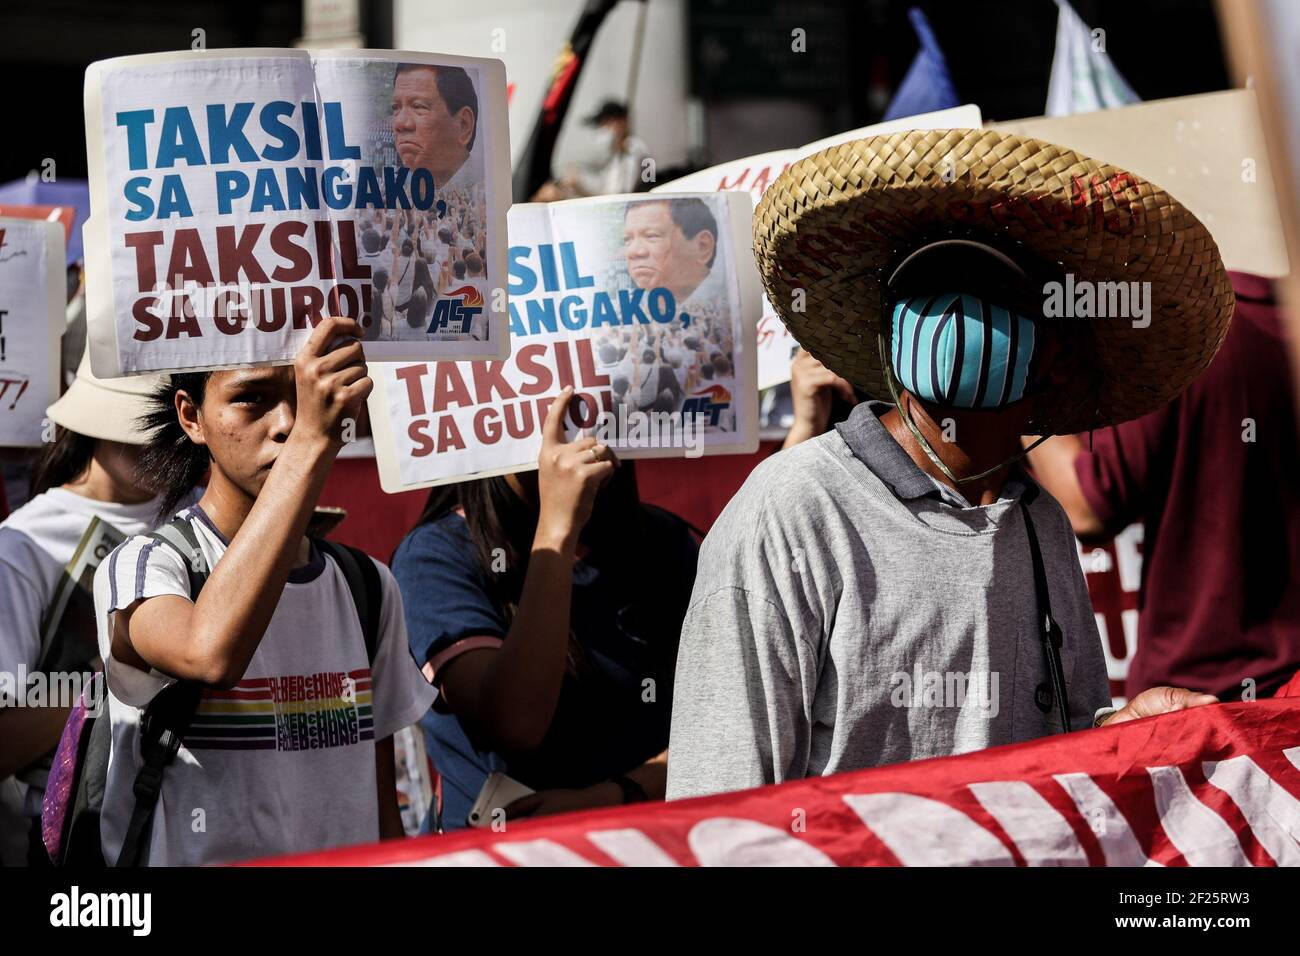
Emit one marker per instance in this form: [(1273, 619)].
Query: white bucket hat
[(106, 408)]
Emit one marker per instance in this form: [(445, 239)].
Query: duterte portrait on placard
[(670, 244), (435, 121)]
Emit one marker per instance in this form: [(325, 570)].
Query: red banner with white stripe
[(1212, 786)]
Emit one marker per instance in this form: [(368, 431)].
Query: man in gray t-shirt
[(851, 611), (899, 588)]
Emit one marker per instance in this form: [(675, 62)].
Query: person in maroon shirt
[(1214, 478)]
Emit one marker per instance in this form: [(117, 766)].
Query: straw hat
[(833, 227), (104, 408)]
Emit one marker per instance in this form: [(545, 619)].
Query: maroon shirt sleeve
[(1127, 463)]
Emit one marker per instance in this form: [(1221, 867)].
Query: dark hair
[(370, 241), (454, 86), (664, 402), (170, 464), (408, 247), (444, 235), (499, 519), (692, 216), (61, 461), (379, 279), (458, 267), (418, 308)]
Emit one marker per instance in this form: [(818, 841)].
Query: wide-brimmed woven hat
[(831, 228), (106, 408)]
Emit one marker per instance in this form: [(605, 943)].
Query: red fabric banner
[(1213, 786)]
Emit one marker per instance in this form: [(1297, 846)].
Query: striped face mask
[(960, 351)]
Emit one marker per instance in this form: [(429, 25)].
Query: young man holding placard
[(289, 747)]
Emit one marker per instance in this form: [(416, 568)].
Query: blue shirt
[(626, 616)]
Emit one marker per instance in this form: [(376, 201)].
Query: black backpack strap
[(1049, 630), (168, 716), (166, 719), (178, 534), (363, 581)]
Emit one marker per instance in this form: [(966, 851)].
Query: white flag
[(1083, 77)]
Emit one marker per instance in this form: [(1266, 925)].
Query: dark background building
[(999, 54)]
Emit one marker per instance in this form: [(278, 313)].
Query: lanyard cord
[(1049, 631)]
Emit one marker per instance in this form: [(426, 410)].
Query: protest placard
[(64, 215), (33, 294), (239, 195), (645, 304), (754, 174), (1223, 175)]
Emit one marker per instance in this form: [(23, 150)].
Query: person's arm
[(1117, 478), (26, 733), (213, 639), (1054, 468), (742, 698), (650, 776), (812, 387), (390, 815), (508, 693)]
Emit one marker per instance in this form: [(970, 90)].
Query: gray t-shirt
[(848, 614)]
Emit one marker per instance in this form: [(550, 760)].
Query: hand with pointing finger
[(569, 474)]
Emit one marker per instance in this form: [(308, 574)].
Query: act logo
[(712, 402), (459, 305)]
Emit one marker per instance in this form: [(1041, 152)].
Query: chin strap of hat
[(920, 439)]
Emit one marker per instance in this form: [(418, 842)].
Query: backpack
[(74, 794)]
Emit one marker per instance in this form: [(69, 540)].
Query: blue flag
[(927, 86)]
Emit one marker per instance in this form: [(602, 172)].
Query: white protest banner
[(239, 195), (645, 304), (33, 296), (754, 174)]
